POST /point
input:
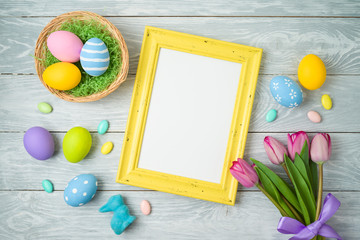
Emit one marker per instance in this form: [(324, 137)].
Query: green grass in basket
[(86, 30)]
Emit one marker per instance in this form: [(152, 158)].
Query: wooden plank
[(19, 107), (183, 8), (20, 171), (39, 215), (284, 40)]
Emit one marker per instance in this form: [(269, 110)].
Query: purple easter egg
[(39, 143)]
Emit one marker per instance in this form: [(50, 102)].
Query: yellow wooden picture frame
[(155, 39)]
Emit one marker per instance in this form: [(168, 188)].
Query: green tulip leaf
[(300, 165), (281, 185), (273, 191), (314, 174), (305, 152), (306, 159), (304, 195)]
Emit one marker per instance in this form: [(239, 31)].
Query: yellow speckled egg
[(311, 72), (62, 76)]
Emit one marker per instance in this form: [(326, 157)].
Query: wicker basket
[(55, 24)]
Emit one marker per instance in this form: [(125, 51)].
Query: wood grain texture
[(285, 41), (19, 108), (286, 30), (40, 215), (183, 8), (19, 171)]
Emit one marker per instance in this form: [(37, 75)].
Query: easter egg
[(62, 76), (48, 186), (145, 207), (39, 143), (65, 46), (286, 92), (107, 148), (94, 57), (311, 72), (326, 101), (80, 190), (76, 144), (103, 127), (44, 107)]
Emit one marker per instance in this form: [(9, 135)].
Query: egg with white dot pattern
[(94, 57), (80, 190), (286, 91)]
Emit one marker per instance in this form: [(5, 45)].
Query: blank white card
[(188, 122)]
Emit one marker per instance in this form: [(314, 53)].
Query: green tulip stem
[(320, 190), (285, 168), (293, 210), (282, 211)]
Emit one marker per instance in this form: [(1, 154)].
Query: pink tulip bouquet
[(298, 200)]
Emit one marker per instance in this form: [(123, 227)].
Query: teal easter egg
[(48, 186), (103, 127), (271, 115)]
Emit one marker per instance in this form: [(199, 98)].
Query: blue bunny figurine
[(121, 219)]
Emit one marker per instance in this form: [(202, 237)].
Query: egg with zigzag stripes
[(94, 57)]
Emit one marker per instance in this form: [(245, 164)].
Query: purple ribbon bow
[(291, 226)]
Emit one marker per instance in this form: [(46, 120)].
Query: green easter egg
[(76, 144), (44, 107)]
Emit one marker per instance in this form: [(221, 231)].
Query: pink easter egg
[(314, 116), (145, 207), (65, 46)]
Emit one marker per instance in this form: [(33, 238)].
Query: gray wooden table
[(286, 30)]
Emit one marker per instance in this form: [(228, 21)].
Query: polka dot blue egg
[(94, 57), (80, 190), (286, 91)]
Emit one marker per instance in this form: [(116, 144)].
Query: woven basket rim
[(54, 24)]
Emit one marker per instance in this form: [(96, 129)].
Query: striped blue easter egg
[(94, 57)]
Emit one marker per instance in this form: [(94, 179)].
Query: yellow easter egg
[(311, 72), (107, 148), (326, 101), (62, 76)]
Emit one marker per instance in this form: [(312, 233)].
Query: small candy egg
[(39, 143), (48, 186), (314, 116), (311, 72), (107, 147), (76, 144), (94, 57), (145, 207), (103, 127), (271, 115), (326, 101), (286, 92), (65, 46), (80, 190), (62, 76), (44, 107)]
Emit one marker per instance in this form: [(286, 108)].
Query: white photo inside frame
[(189, 117)]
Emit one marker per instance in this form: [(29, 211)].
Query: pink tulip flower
[(275, 150), (296, 142), (244, 173), (321, 147)]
